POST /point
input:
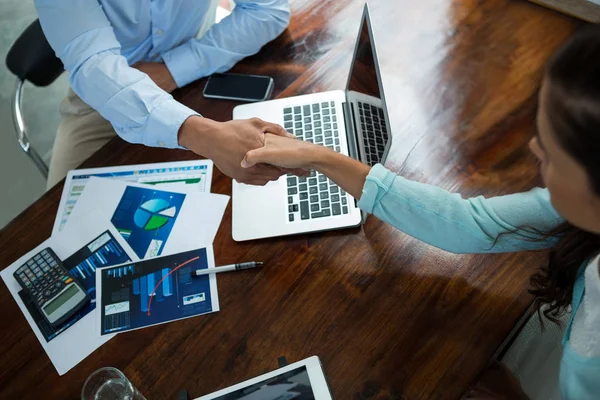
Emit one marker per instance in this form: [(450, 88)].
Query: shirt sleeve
[(251, 25), (83, 38), (446, 220)]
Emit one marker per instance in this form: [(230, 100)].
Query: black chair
[(31, 59)]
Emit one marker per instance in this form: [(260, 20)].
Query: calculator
[(52, 289)]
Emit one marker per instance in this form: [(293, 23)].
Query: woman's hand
[(296, 155), (284, 152)]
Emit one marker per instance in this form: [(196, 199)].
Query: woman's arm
[(429, 213), (348, 173)]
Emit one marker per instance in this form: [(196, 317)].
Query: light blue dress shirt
[(98, 40), (475, 225)]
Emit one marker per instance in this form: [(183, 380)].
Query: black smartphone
[(238, 87)]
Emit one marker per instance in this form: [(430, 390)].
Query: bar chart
[(102, 252), (154, 291)]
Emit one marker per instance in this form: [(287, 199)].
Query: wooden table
[(390, 317)]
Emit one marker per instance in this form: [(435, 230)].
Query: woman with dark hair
[(564, 217)]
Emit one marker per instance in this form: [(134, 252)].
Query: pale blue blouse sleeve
[(446, 220)]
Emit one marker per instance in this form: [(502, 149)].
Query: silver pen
[(227, 268)]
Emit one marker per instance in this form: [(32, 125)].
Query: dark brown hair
[(573, 109)]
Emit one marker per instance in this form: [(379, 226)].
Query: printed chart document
[(145, 293), (151, 220), (83, 249), (194, 175), (115, 222)]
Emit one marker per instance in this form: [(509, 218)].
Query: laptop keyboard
[(374, 129), (314, 196), (314, 123)]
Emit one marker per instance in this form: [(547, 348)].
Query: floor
[(534, 357), (22, 182)]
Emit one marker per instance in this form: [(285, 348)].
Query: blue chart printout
[(155, 291), (145, 218), (197, 174), (102, 251)]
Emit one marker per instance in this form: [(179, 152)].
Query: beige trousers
[(82, 131)]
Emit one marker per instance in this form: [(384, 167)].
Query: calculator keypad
[(43, 276)]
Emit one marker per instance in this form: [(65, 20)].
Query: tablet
[(303, 380)]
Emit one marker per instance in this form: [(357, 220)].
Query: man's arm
[(251, 25), (141, 112), (82, 37)]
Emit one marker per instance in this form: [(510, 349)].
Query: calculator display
[(61, 299)]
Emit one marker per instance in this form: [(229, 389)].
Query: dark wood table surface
[(390, 317)]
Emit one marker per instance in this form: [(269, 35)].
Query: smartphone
[(238, 87)]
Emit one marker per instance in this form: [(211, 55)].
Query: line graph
[(164, 277), (116, 308)]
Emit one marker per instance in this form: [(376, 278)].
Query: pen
[(227, 268)]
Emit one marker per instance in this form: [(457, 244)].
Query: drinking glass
[(109, 384)]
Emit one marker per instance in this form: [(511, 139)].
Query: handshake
[(250, 151), (245, 150)]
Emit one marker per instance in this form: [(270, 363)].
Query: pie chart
[(153, 214)]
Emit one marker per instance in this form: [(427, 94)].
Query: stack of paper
[(120, 216)]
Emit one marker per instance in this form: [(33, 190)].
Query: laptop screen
[(365, 93)]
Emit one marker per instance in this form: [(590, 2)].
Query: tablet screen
[(294, 384)]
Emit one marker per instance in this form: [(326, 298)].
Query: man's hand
[(226, 143), (159, 73)]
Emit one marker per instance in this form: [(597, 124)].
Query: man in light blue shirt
[(124, 57)]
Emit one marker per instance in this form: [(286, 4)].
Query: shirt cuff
[(165, 121), (377, 184), (181, 64)]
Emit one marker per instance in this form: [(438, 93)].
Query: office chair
[(31, 59)]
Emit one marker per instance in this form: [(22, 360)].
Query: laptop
[(353, 122)]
